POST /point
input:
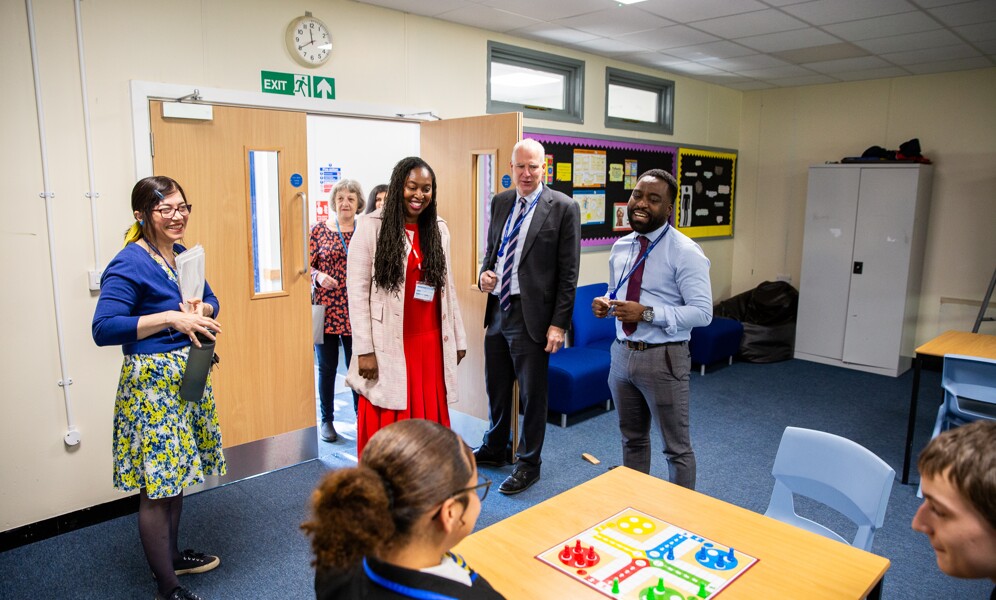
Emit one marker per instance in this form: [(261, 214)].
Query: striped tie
[(505, 297)]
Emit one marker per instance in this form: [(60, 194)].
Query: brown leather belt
[(641, 346)]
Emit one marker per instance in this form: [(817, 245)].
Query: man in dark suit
[(530, 272)]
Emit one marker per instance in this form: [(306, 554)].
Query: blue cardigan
[(134, 285)]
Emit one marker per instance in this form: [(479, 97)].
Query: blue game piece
[(670, 553), (730, 554), (720, 564)]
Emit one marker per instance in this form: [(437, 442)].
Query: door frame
[(144, 91), (288, 449)]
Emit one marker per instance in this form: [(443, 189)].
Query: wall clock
[(309, 40)]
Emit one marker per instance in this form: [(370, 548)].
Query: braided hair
[(390, 256)]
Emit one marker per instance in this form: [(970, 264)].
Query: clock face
[(309, 41)]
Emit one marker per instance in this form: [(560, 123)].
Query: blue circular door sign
[(297, 180), (506, 181)]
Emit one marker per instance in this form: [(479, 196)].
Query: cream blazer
[(377, 319)]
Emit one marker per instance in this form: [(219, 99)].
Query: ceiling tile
[(547, 32), (751, 85), (614, 22), (864, 29), (989, 46), (979, 32), (684, 11), (546, 11), (788, 40), (485, 17), (606, 46), (722, 49), (754, 23), (668, 37), (848, 64), (966, 13), (823, 12), (805, 80), (429, 8), (838, 51), (744, 63), (931, 55), (947, 66), (910, 41), (866, 74), (694, 68), (778, 72)]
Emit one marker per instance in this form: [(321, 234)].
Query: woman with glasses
[(161, 444), (329, 247), (408, 335), (384, 528)]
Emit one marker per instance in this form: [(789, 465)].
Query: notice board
[(600, 174), (704, 206)]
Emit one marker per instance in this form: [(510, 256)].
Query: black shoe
[(195, 562), (178, 593), (487, 458), (518, 481), (328, 432)]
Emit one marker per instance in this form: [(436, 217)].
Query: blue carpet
[(738, 414)]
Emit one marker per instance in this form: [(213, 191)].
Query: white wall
[(387, 58), (380, 57)]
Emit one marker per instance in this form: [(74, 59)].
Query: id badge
[(424, 292)]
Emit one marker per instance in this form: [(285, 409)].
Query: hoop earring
[(141, 222)]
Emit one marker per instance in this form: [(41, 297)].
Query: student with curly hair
[(408, 335), (384, 528)]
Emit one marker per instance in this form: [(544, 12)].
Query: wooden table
[(792, 563), (949, 342)]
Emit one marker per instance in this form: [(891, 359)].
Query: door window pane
[(264, 202)]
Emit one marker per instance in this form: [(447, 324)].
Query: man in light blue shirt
[(659, 289)]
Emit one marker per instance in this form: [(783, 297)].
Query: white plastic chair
[(969, 384), (836, 472)]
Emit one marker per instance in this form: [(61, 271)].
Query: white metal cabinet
[(861, 265)]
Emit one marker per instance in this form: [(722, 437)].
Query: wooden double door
[(265, 384)]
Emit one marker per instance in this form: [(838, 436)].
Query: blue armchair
[(579, 374)]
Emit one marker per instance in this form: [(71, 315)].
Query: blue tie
[(505, 297)]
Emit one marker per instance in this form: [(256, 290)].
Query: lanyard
[(506, 234), (636, 265), (165, 262), (342, 237)]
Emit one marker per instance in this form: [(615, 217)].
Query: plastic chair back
[(586, 328), (969, 384), (836, 472)]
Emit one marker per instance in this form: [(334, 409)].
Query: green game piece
[(702, 590), (615, 586), (660, 584)]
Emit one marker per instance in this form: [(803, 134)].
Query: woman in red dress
[(408, 334)]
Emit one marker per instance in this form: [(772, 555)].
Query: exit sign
[(289, 84)]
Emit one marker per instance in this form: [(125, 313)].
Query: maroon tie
[(635, 281)]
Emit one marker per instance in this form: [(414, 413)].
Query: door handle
[(307, 233), (859, 267)]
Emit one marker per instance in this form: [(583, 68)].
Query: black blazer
[(549, 260)]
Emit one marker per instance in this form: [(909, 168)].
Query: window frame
[(664, 88), (572, 70)]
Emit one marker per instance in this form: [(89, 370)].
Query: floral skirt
[(162, 443)]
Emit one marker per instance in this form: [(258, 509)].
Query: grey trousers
[(653, 383)]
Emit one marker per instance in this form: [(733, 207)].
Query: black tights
[(158, 526)]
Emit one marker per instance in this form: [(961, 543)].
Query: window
[(638, 102), (540, 85)]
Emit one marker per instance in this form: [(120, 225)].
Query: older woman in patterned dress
[(329, 247)]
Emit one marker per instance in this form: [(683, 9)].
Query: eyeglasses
[(167, 212), (482, 487)]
